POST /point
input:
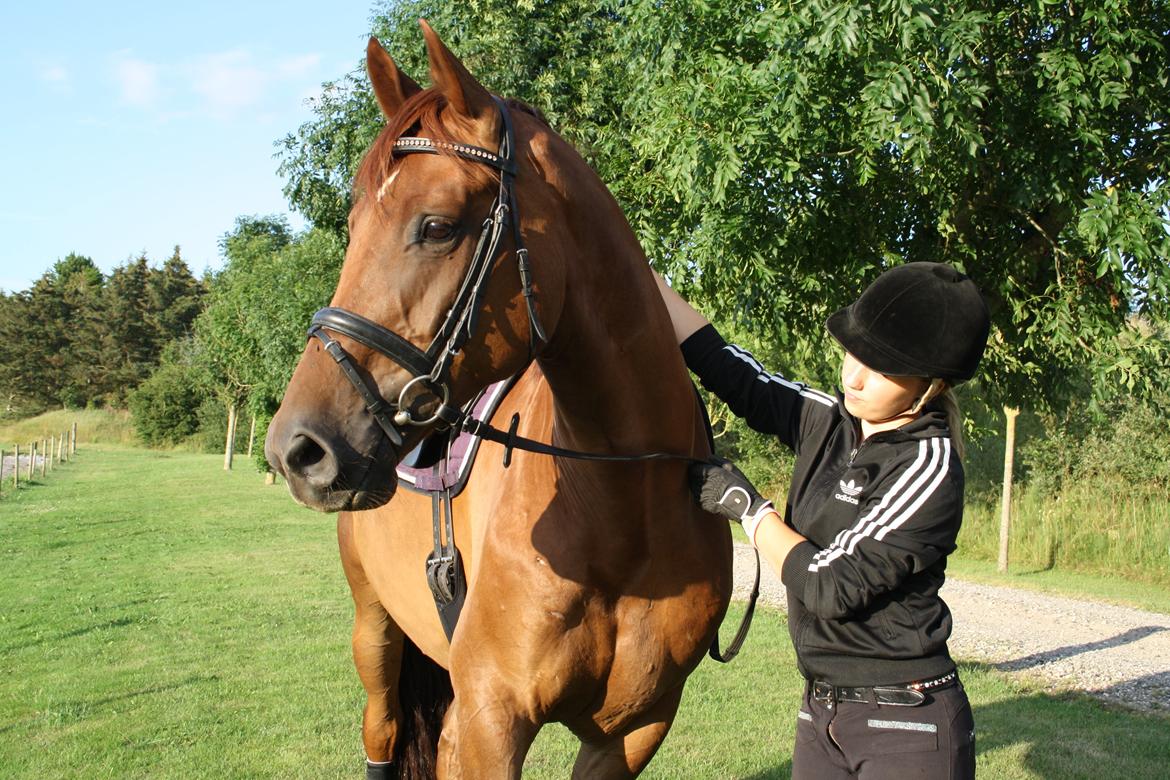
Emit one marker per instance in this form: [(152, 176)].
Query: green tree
[(786, 154), (43, 337), (560, 57), (129, 346), (259, 307), (165, 407), (175, 298)]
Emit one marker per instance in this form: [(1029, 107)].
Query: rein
[(430, 369)]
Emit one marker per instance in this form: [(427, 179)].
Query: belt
[(903, 695)]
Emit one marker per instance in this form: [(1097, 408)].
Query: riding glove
[(722, 489)]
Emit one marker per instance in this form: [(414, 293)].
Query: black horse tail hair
[(424, 693)]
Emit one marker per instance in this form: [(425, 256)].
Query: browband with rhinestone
[(408, 144)]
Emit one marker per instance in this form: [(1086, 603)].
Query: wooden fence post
[(230, 446), (44, 459), (15, 465), (32, 459), (73, 438), (1005, 517)]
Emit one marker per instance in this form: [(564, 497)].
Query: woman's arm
[(682, 315)]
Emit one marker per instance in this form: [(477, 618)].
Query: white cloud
[(56, 75), (138, 80), (228, 80), (225, 84), (293, 67)]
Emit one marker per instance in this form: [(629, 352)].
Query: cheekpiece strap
[(412, 144)]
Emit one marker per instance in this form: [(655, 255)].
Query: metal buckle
[(441, 578), (403, 417), (898, 697)]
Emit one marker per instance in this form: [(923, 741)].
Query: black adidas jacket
[(880, 517)]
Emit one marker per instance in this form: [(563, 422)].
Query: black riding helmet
[(918, 319)]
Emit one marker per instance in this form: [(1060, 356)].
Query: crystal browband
[(408, 144)]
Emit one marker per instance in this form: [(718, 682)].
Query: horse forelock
[(424, 114)]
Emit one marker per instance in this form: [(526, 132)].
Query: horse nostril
[(306, 456)]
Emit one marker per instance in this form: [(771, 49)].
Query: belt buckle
[(824, 692), (898, 696)]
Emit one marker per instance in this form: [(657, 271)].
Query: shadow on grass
[(64, 712), (121, 622)]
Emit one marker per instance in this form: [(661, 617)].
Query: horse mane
[(423, 114)]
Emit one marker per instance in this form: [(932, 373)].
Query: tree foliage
[(164, 408), (76, 338), (561, 57), (786, 155), (249, 337)]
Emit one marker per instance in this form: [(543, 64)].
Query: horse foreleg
[(626, 754), (377, 654)]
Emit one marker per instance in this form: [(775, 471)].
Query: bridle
[(430, 369)]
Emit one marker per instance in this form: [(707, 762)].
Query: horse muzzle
[(327, 473)]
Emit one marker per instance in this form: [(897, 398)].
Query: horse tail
[(424, 693)]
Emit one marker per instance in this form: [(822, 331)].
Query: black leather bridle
[(430, 369)]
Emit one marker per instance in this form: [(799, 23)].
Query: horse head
[(436, 299)]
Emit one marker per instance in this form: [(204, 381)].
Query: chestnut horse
[(593, 588)]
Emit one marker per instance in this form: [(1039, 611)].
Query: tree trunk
[(1005, 517), (230, 446), (251, 436)]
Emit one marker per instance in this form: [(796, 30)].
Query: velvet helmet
[(917, 319)]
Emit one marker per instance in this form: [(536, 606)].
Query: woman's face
[(876, 398)]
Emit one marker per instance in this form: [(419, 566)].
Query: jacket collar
[(931, 424)]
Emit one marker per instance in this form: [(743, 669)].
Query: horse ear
[(391, 86), (448, 75)]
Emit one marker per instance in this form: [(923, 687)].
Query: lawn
[(160, 617)]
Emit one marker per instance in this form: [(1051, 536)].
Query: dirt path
[(1116, 653)]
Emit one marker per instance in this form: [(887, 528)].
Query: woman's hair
[(940, 389), (950, 405)]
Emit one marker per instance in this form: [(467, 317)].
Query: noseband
[(430, 370)]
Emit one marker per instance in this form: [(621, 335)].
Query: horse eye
[(437, 230)]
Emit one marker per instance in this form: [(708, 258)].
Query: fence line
[(46, 453)]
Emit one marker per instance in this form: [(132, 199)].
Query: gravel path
[(1119, 654)]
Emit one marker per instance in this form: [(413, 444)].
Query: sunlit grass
[(165, 618)]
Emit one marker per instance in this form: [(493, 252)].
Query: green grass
[(94, 426), (1116, 530), (164, 618)]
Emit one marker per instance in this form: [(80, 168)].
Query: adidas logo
[(849, 492)]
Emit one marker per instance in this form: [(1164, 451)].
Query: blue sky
[(131, 127)]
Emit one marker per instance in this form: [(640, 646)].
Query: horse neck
[(618, 380)]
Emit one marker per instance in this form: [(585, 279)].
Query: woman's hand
[(722, 489)]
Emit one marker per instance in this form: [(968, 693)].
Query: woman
[(872, 513)]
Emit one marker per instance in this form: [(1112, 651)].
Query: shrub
[(164, 407)]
